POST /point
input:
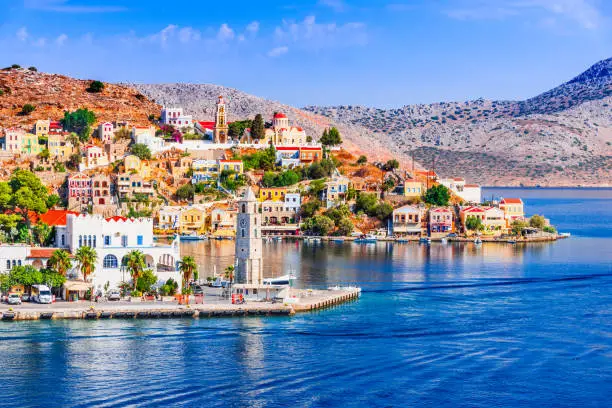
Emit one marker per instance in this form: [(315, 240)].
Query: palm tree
[(60, 261), (187, 266), (229, 273), (86, 258), (135, 264)]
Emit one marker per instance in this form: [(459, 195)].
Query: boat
[(193, 237), (277, 239), (401, 240), (511, 241), (444, 240), (478, 241), (366, 239), (564, 235), (425, 240), (280, 280), (339, 240)]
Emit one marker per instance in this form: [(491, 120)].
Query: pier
[(302, 300)]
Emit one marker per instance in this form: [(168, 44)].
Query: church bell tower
[(249, 267), (221, 127)]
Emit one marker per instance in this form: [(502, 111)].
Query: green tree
[(345, 227), (96, 87), (73, 161), (6, 194), (318, 225), (517, 226), (135, 265), (236, 129), (86, 258), (362, 160), (146, 281), (338, 213), (366, 202), (44, 154), (188, 267), (33, 69), (537, 221), (473, 223), (27, 109), (42, 233), (60, 261), (142, 151), (29, 194), (185, 192), (383, 211), (25, 275), (391, 165), (309, 208), (258, 129), (79, 122), (437, 195), (316, 187), (331, 137)]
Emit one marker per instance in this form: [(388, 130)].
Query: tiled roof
[(43, 253), (511, 201), (55, 217)]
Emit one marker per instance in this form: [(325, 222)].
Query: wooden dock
[(300, 302)]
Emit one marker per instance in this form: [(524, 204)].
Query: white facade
[(13, 255), (146, 136), (106, 132), (115, 237), (176, 118), (470, 193)]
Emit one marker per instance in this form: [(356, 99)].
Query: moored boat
[(366, 239)]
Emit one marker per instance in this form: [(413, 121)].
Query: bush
[(391, 165), (33, 69), (550, 229), (437, 195), (318, 225), (345, 227), (15, 66), (185, 192), (518, 226), (473, 223), (146, 281), (537, 221), (95, 87), (287, 178), (142, 151), (79, 122), (362, 160), (309, 208), (27, 109)]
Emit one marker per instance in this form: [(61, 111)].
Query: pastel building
[(176, 117), (335, 190), (13, 140), (281, 217), (408, 221), (30, 145), (113, 239), (492, 218), (106, 132), (440, 220), (513, 208), (413, 188), (94, 157), (282, 133), (146, 135), (469, 193)]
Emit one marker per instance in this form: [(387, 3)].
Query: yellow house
[(205, 170), (58, 146), (41, 127), (29, 145), (272, 193), (413, 188), (513, 209), (231, 165), (192, 220), (134, 164)]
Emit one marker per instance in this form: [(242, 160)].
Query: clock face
[(243, 222)]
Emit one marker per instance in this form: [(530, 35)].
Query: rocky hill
[(562, 137), (52, 94)]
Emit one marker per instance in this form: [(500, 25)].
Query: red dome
[(279, 115)]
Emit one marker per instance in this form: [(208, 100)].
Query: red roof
[(287, 148), (279, 115), (55, 217), (55, 125), (442, 209), (43, 253), (117, 218), (474, 209), (311, 148), (471, 185), (511, 201), (230, 161), (207, 125)]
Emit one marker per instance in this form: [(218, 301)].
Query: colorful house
[(192, 220), (94, 157), (440, 220), (513, 208), (492, 218), (408, 221), (272, 194), (231, 165), (413, 188), (30, 145)]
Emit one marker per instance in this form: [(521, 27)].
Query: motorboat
[(444, 240), (478, 241), (339, 240), (402, 240), (366, 239), (280, 280), (193, 237), (425, 240)]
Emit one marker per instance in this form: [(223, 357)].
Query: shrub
[(362, 160), (95, 87), (142, 151), (537, 221), (33, 69), (27, 109), (437, 195)]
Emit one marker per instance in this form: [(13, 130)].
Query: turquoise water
[(444, 325)]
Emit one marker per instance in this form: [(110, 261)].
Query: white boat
[(193, 237), (366, 239), (478, 241), (444, 240), (565, 234), (280, 280), (425, 240)]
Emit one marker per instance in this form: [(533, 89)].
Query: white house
[(146, 135), (113, 238), (470, 193), (176, 118), (106, 132)]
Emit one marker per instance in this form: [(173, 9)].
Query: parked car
[(197, 290), (13, 299), (114, 295), (25, 297)]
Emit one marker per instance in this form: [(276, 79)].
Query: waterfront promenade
[(301, 300)]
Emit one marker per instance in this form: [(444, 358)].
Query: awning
[(77, 286)]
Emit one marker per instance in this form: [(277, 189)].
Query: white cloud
[(22, 34), (225, 33), (584, 13), (278, 51), (63, 6), (41, 42), (188, 34), (311, 34), (61, 39), (253, 27)]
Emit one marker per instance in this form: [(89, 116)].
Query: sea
[(440, 325)]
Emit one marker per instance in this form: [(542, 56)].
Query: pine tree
[(258, 129)]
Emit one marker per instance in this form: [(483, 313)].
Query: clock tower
[(249, 268), (221, 127)]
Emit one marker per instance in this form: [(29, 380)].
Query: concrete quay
[(301, 300)]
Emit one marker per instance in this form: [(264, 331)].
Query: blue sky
[(383, 53)]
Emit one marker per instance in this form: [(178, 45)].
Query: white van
[(41, 294)]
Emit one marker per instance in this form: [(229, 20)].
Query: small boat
[(444, 240), (402, 240), (478, 241), (193, 237), (366, 239), (281, 280), (339, 240), (277, 239), (564, 235), (425, 240), (511, 241)]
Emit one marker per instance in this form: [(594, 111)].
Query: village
[(87, 205)]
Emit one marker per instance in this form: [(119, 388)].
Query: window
[(8, 264), (139, 240), (80, 241), (110, 261), (63, 240), (94, 241), (124, 240), (107, 240), (243, 233)]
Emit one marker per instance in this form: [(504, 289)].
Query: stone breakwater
[(305, 301)]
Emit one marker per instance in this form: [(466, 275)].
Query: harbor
[(214, 305)]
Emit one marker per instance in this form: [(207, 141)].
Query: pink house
[(440, 220)]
